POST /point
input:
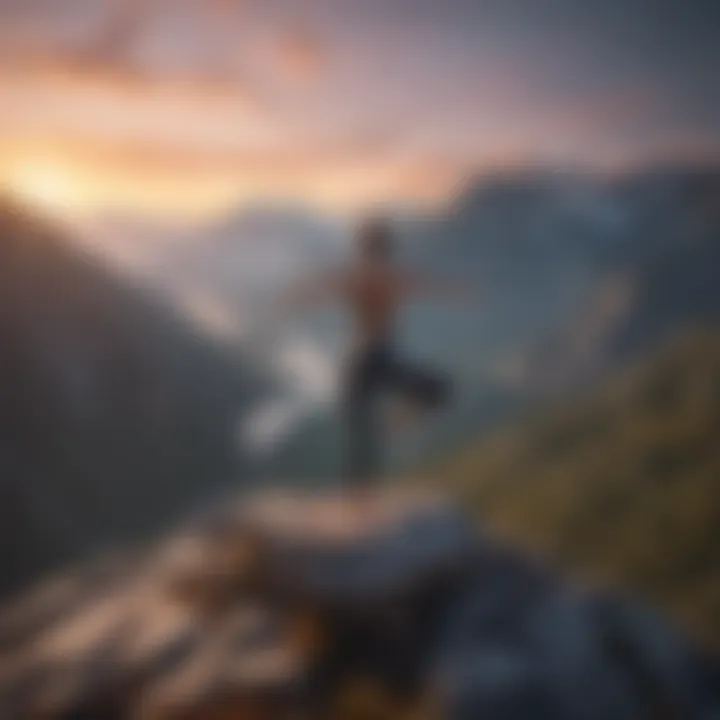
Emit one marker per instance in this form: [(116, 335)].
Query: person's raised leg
[(419, 391)]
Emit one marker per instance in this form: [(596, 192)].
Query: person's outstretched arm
[(311, 292)]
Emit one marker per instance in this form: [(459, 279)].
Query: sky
[(182, 109)]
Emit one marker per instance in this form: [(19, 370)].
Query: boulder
[(389, 605)]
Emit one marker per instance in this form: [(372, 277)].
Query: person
[(373, 288)]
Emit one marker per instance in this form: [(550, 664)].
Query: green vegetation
[(622, 488)]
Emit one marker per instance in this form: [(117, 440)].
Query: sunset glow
[(48, 185), (128, 107)]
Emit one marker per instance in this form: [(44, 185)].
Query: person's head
[(375, 242)]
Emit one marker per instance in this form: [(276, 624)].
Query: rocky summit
[(390, 606)]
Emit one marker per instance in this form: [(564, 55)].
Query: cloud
[(310, 378), (107, 43), (186, 108), (85, 142), (268, 425), (300, 55), (52, 102)]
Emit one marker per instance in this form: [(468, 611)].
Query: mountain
[(577, 276), (540, 244), (630, 314), (307, 605), (622, 486), (115, 415)]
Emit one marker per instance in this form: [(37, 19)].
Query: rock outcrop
[(391, 606)]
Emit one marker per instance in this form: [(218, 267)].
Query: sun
[(46, 184)]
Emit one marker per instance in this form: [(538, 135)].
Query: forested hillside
[(623, 487)]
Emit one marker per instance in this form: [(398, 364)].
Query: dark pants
[(370, 373)]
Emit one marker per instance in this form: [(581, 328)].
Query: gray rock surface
[(273, 606)]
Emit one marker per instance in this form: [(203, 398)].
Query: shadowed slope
[(111, 406)]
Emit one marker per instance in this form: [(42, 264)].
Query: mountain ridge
[(103, 388)]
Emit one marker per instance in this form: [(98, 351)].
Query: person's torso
[(374, 296)]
